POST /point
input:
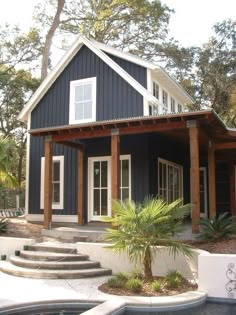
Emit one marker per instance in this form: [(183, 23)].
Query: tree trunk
[(147, 264), (49, 37)]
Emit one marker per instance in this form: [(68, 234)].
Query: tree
[(49, 37), (139, 26), (140, 228), (6, 178)]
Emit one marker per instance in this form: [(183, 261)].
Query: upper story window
[(172, 105), (165, 101), (155, 90), (82, 101), (180, 108)]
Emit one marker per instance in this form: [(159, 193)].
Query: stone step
[(81, 238), (53, 265), (53, 248), (50, 256), (11, 269)]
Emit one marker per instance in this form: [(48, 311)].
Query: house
[(105, 124)]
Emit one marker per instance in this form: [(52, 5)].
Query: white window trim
[(163, 161), (73, 84), (60, 205), (127, 157)]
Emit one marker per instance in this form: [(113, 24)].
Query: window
[(125, 177), (57, 182), (172, 105), (170, 180), (180, 109), (82, 101), (153, 110), (155, 90), (165, 101)]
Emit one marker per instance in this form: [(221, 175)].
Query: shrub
[(115, 282), (221, 227), (122, 276), (3, 225), (156, 286), (173, 279), (137, 274), (134, 285)]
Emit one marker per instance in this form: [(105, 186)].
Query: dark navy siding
[(70, 177), (115, 97), (222, 187)]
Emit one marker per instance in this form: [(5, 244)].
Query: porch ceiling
[(173, 125)]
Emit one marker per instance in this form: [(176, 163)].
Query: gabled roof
[(54, 74)]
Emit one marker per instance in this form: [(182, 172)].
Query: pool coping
[(117, 304)]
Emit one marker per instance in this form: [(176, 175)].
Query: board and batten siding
[(115, 97)]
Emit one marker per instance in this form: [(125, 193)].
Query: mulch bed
[(147, 289)]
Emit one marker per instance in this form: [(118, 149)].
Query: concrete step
[(53, 265), (53, 248), (11, 269), (50, 256), (81, 238)]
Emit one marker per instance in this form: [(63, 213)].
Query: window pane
[(96, 201), (125, 193), (56, 171), (79, 111), (96, 174), (79, 93), (87, 110), (55, 192), (104, 174), (104, 202), (87, 92), (125, 173)]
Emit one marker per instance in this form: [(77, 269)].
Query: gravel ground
[(18, 227)]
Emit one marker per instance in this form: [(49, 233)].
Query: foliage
[(134, 284), (173, 279), (156, 286), (218, 228), (140, 228), (6, 178), (3, 225), (116, 282), (136, 273), (122, 276)]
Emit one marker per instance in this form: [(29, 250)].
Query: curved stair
[(52, 262)]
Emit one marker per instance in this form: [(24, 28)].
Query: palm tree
[(6, 178), (140, 228)]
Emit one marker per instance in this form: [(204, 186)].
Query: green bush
[(137, 274), (122, 276), (134, 285), (173, 279), (115, 282), (3, 225), (156, 286), (221, 227)]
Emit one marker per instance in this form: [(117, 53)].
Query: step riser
[(43, 266), (52, 258), (53, 249)]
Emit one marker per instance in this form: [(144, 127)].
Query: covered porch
[(202, 134)]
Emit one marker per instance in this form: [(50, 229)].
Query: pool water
[(208, 308)]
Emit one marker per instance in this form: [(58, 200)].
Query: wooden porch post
[(80, 154), (232, 189), (194, 174), (115, 164), (212, 180), (48, 183)]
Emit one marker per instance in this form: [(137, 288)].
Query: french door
[(99, 184)]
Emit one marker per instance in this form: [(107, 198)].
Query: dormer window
[(172, 105), (156, 90), (180, 108), (82, 101), (165, 101)]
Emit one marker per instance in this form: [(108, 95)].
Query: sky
[(190, 25)]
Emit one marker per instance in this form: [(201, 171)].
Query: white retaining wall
[(8, 245), (217, 275), (120, 262)]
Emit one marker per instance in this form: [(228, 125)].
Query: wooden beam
[(48, 183), (80, 167), (115, 166), (194, 177), (70, 144), (127, 130), (212, 180), (232, 189), (225, 145)]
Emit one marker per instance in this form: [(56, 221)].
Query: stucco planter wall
[(8, 245)]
